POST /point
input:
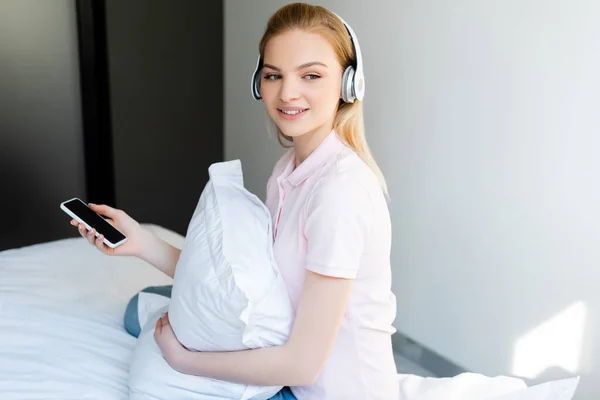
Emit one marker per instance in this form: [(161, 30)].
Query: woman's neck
[(305, 144)]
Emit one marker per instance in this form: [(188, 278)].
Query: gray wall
[(484, 119), (41, 153), (165, 67), (166, 91)]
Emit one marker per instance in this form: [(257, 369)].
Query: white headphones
[(353, 79)]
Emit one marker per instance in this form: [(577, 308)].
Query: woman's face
[(301, 82)]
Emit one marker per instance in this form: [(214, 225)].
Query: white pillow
[(465, 386), (227, 293), (151, 377), (470, 386), (562, 389)]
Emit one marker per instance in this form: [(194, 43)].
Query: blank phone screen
[(80, 209)]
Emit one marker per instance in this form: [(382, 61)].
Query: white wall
[(485, 118)]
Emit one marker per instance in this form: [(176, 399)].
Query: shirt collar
[(330, 146)]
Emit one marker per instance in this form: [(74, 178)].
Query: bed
[(61, 325), (62, 334)]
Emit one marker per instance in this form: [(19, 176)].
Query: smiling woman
[(331, 224)]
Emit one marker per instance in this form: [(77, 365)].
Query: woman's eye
[(273, 77)]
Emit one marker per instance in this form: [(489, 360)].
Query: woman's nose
[(289, 90)]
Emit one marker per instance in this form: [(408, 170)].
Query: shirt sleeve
[(339, 217)]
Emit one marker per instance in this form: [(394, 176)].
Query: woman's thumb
[(103, 209)]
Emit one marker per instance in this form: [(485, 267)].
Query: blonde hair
[(349, 119)]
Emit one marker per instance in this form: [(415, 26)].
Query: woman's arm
[(160, 254), (297, 363)]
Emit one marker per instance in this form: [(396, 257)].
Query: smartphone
[(80, 211)]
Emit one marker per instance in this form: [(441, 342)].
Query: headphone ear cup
[(256, 83), (347, 85)]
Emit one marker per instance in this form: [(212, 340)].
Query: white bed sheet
[(62, 334), (61, 319)]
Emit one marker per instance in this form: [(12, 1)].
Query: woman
[(332, 234)]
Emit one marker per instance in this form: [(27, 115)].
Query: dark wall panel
[(166, 94)]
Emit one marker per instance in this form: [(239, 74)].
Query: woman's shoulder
[(348, 180), (347, 170)]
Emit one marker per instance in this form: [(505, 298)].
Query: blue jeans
[(284, 394), (132, 325)]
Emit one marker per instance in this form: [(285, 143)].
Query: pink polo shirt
[(330, 216)]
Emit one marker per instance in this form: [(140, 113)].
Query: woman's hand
[(172, 350), (138, 238)]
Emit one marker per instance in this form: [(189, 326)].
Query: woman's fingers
[(100, 243), (158, 327), (91, 236), (82, 230)]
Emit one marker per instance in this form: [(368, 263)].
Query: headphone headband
[(358, 81), (353, 79)]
